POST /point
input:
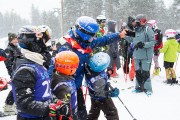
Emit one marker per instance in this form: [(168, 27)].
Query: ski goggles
[(85, 31)]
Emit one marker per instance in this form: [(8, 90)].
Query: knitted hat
[(11, 36)]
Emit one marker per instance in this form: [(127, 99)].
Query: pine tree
[(176, 13)]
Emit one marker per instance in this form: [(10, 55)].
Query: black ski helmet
[(28, 40)]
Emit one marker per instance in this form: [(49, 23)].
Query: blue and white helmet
[(99, 62), (86, 27)]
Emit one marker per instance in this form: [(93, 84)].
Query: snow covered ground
[(163, 104)]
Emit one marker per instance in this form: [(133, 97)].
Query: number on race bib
[(47, 91)]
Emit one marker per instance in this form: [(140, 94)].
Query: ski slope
[(163, 104)]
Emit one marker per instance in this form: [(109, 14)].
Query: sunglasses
[(103, 21)]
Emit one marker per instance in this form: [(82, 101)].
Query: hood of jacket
[(82, 43), (111, 26)]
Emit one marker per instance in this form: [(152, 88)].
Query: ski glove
[(114, 92), (156, 52), (140, 45), (64, 110), (59, 108)]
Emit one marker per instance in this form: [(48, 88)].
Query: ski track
[(163, 104)]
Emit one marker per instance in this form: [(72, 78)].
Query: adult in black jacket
[(127, 53), (12, 51), (113, 50)]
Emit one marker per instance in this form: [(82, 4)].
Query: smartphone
[(131, 33), (53, 43)]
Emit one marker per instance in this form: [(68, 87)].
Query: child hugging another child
[(63, 85), (96, 79)]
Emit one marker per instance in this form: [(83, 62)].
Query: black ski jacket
[(12, 53), (24, 81)]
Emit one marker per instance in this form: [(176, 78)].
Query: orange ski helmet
[(66, 62)]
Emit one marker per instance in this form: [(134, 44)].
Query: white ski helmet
[(170, 33), (47, 32), (152, 24), (100, 18), (178, 31)]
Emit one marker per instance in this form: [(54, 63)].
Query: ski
[(172, 84), (148, 94), (2, 114), (128, 88)]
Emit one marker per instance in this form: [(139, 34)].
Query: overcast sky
[(23, 7)]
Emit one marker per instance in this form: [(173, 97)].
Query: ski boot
[(174, 81), (138, 90), (148, 93), (10, 109), (168, 81), (2, 114), (156, 71)]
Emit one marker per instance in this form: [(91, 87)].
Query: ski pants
[(82, 112), (142, 67), (106, 105), (156, 62), (10, 99), (127, 59), (22, 118)]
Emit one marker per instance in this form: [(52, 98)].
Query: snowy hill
[(163, 104)]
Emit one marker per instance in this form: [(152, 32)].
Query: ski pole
[(176, 61), (127, 108), (122, 103), (85, 95), (123, 69)]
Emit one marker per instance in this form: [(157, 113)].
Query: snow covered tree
[(35, 16), (176, 13)]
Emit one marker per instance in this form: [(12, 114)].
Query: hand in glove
[(64, 110), (52, 111), (53, 107), (109, 72), (140, 45), (114, 92), (59, 108), (156, 52)]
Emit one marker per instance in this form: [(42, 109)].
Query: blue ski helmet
[(86, 27), (99, 62)]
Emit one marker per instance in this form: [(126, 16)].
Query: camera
[(53, 43), (131, 33)]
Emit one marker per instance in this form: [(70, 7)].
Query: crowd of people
[(48, 86)]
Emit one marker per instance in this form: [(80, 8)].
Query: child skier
[(96, 79), (101, 20), (170, 49), (63, 85), (159, 44)]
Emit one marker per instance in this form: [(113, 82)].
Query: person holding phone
[(127, 48)]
